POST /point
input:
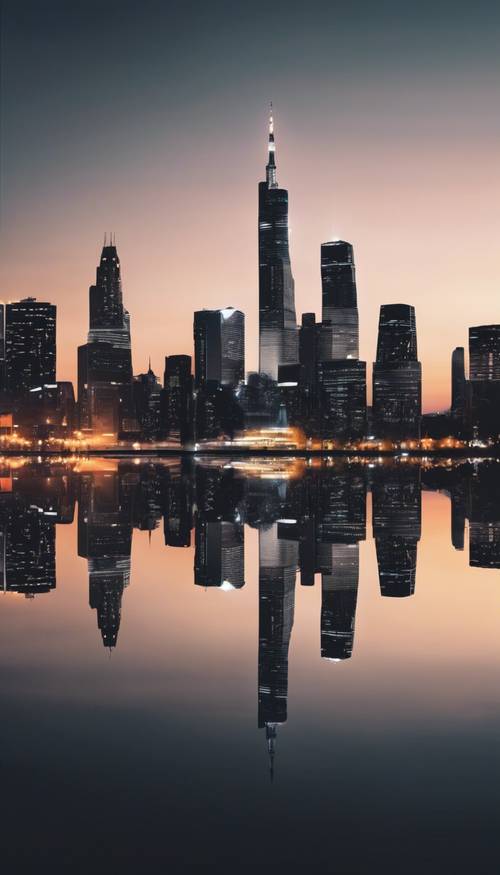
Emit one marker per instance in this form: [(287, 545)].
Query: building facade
[(397, 375), (278, 339), (30, 345), (339, 302)]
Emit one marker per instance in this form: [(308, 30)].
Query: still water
[(252, 665)]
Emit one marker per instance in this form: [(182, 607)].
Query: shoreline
[(168, 452)]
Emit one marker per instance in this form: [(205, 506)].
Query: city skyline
[(392, 164)]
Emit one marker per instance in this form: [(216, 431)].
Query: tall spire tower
[(278, 334), (271, 148)]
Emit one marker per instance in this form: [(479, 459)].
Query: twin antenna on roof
[(112, 238)]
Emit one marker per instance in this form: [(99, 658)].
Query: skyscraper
[(109, 322), (177, 399), (342, 399), (30, 345), (397, 375), (219, 347), (3, 373), (278, 337), (458, 383), (340, 306), (105, 394), (484, 352), (484, 377)]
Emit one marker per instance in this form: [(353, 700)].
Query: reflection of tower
[(177, 511), (339, 593), (28, 547), (341, 525), (219, 554), (484, 516), (396, 494), (105, 540), (277, 569), (278, 335)]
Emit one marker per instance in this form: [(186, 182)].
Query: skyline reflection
[(309, 519)]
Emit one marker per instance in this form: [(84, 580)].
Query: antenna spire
[(271, 152)]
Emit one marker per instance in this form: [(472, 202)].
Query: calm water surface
[(250, 666)]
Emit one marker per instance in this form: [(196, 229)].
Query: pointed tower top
[(271, 150)]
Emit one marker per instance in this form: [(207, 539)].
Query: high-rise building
[(219, 347), (484, 380), (342, 399), (30, 345), (3, 372), (109, 322), (278, 337), (177, 399), (397, 375), (340, 306), (147, 391), (458, 382), (484, 352), (105, 392)]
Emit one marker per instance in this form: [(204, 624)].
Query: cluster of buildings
[(310, 375), (310, 519)]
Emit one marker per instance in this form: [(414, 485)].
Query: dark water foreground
[(272, 665)]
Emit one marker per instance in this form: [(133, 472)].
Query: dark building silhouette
[(339, 299), (260, 400), (339, 593), (219, 554), (177, 506), (458, 384), (396, 493), (218, 413), (147, 391), (3, 362), (484, 377), (342, 399), (104, 387), (27, 547), (105, 392), (47, 411), (219, 347), (278, 338), (176, 404), (484, 516), (105, 540), (30, 345), (397, 375), (277, 570), (109, 322)]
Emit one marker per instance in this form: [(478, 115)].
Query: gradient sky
[(149, 119)]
